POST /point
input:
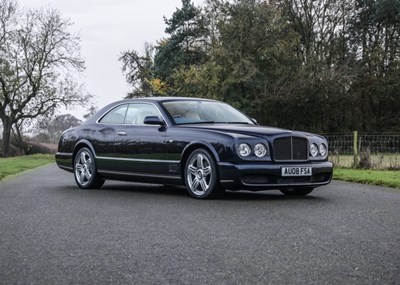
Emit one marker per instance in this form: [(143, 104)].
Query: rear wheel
[(85, 171), (201, 175), (297, 191)]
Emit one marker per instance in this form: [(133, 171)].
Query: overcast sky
[(108, 27)]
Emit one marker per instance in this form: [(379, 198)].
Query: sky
[(107, 28)]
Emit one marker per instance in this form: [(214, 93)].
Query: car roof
[(164, 99)]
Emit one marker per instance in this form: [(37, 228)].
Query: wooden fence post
[(355, 148)]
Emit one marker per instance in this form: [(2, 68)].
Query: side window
[(116, 115), (138, 111)]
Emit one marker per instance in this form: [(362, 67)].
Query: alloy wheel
[(84, 168), (199, 174)]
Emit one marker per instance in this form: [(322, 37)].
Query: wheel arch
[(80, 144), (190, 148)]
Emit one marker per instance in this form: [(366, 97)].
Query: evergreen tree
[(187, 30)]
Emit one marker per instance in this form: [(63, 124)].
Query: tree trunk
[(18, 137), (5, 148)]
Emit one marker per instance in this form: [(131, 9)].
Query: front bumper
[(265, 176)]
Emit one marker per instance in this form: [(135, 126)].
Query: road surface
[(51, 232)]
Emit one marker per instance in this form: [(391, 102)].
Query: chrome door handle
[(122, 133)]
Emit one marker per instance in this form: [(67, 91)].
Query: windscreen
[(203, 112)]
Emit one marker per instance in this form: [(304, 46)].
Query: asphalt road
[(51, 232)]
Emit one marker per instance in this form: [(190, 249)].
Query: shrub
[(365, 159)]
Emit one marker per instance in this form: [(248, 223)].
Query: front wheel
[(201, 175), (297, 191), (85, 171)]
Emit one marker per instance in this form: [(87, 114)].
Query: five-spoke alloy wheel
[(85, 170), (201, 176)]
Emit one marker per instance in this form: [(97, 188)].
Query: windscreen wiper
[(197, 122)]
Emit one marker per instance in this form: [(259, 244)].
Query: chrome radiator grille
[(290, 149)]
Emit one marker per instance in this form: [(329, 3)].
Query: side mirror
[(153, 120)]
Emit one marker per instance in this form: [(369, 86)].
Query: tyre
[(201, 175), (297, 191), (85, 171)]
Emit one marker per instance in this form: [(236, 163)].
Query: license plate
[(296, 171)]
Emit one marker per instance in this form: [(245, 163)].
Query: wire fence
[(379, 150), (377, 143)]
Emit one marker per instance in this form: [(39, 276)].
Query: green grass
[(389, 178), (378, 161), (14, 165)]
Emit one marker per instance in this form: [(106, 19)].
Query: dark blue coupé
[(206, 145)]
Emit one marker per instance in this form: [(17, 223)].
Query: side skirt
[(141, 177)]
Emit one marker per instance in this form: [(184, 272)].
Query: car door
[(104, 136), (140, 148)]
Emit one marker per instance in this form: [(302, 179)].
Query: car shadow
[(270, 195), (151, 189), (166, 190)]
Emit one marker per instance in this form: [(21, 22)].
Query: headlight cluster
[(260, 150), (318, 149), (244, 149)]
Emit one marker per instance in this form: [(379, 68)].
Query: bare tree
[(54, 126), (90, 111), (138, 70), (38, 56)]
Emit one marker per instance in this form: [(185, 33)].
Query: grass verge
[(378, 161), (14, 165), (388, 178)]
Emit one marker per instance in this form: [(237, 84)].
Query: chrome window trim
[(108, 111), (128, 103)]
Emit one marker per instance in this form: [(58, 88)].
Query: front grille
[(290, 149)]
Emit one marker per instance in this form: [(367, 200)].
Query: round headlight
[(313, 150), (244, 149), (260, 150), (322, 149)]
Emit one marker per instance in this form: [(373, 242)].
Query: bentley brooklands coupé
[(206, 145)]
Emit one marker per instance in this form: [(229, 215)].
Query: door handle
[(122, 133)]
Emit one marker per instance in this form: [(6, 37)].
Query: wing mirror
[(153, 120)]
